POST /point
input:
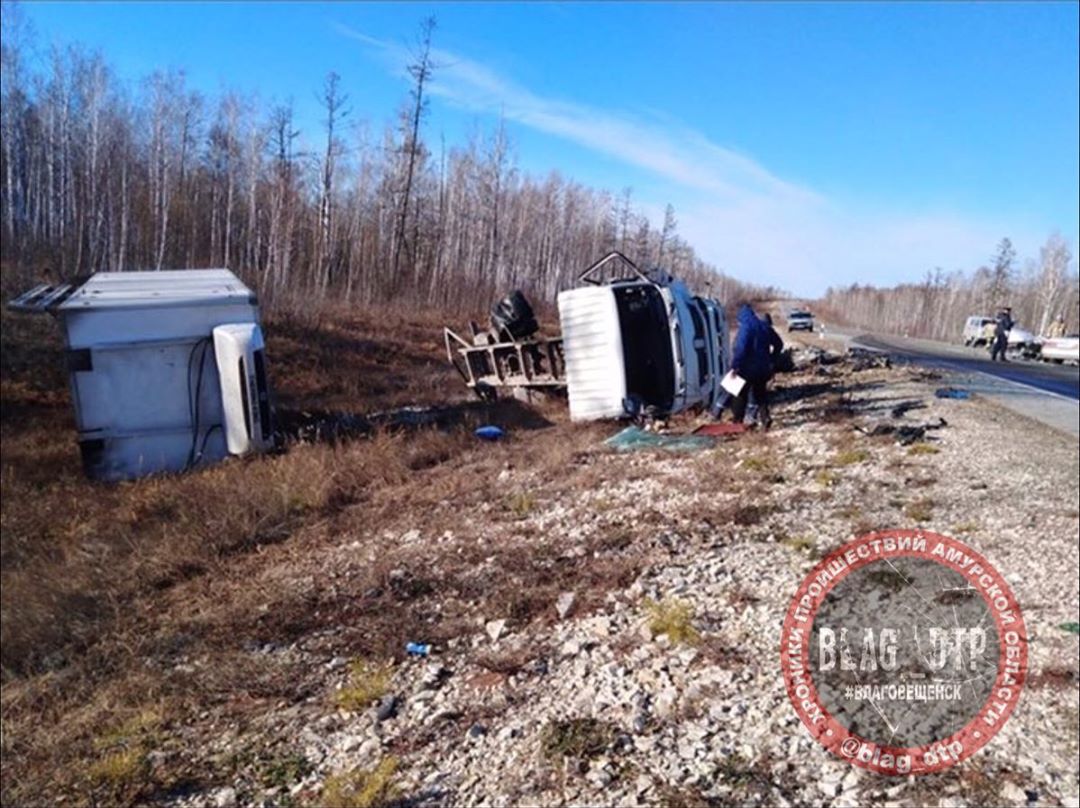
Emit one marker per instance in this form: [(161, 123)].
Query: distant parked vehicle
[(978, 331), (1061, 349), (799, 320), (1023, 342)]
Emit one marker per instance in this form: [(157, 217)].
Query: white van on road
[(978, 331)]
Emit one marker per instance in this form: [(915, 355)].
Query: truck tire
[(515, 316)]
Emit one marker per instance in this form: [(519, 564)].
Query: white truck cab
[(641, 343)]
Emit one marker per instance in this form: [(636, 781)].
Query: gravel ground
[(596, 706)]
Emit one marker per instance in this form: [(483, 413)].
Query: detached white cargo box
[(167, 368)]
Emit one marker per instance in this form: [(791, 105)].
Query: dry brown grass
[(674, 619), (362, 788), (920, 510), (158, 597), (154, 595), (98, 580)]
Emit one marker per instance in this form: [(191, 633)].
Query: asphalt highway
[(1062, 380)]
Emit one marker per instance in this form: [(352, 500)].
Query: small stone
[(564, 604), (600, 627), (224, 797), (830, 783), (688, 655), (387, 708), (506, 733), (570, 648), (665, 702), (1012, 793), (495, 629), (599, 778), (349, 742), (434, 675)]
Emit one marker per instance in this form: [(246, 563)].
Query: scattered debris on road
[(952, 392), (906, 434)]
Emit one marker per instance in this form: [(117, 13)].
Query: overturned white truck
[(632, 343), (167, 369)]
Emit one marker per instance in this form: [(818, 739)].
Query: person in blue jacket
[(751, 358)]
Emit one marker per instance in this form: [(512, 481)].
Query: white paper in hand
[(733, 383)]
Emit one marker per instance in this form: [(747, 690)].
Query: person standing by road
[(776, 345), (1001, 334), (751, 360), (776, 350), (1057, 328)]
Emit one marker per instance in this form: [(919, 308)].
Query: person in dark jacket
[(1001, 334), (776, 345), (751, 359), (776, 350)]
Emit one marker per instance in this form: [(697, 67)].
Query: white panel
[(125, 458), (592, 343), (182, 287), (148, 387), (91, 328), (235, 346)]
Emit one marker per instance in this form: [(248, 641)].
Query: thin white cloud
[(736, 213)]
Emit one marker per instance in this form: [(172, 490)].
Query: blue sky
[(801, 144)]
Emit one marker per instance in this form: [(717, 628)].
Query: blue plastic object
[(417, 648), (951, 392), (489, 432)]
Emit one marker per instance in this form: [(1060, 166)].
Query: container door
[(245, 395)]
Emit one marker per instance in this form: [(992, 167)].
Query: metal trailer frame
[(533, 364), (493, 360)]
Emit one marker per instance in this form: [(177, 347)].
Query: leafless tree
[(420, 70), (101, 175)]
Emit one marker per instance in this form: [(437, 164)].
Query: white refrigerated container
[(167, 369)]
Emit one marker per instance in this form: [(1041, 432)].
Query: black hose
[(193, 403)]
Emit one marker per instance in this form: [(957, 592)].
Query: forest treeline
[(100, 174), (1038, 291)]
